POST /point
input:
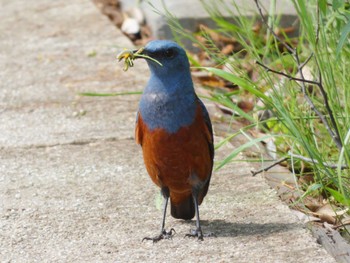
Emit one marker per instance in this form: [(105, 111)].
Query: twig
[(335, 134), (286, 75), (342, 224), (300, 157), (310, 160), (269, 166), (305, 62)]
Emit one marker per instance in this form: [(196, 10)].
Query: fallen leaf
[(245, 105), (328, 214)]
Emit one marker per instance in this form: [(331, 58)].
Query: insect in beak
[(130, 55)]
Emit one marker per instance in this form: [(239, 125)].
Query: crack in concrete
[(74, 142)]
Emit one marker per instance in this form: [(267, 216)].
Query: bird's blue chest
[(167, 112)]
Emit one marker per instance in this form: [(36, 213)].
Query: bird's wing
[(139, 129), (210, 141), (209, 127)]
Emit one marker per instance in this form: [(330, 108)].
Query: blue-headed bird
[(175, 132)]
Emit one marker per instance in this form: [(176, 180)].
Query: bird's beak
[(138, 52)]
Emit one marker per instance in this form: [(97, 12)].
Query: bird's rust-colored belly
[(178, 161)]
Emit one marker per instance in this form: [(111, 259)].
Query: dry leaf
[(208, 80), (245, 105), (326, 213)]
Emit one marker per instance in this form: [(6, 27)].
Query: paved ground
[(72, 183)]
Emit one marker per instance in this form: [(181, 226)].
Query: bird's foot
[(199, 234), (163, 235), (195, 233)]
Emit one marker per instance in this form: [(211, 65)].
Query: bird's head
[(172, 57)]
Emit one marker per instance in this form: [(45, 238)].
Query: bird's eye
[(169, 53)]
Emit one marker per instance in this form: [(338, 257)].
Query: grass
[(311, 119)]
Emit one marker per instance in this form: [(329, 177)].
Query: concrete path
[(73, 187)]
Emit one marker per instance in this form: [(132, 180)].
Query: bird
[(175, 132)]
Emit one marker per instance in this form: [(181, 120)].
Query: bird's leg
[(198, 231), (163, 233)]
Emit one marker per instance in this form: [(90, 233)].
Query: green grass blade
[(235, 152), (243, 83), (343, 38), (338, 196)]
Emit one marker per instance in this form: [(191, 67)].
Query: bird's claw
[(163, 235), (199, 234), (195, 233)]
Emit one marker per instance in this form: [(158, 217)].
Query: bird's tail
[(184, 210)]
